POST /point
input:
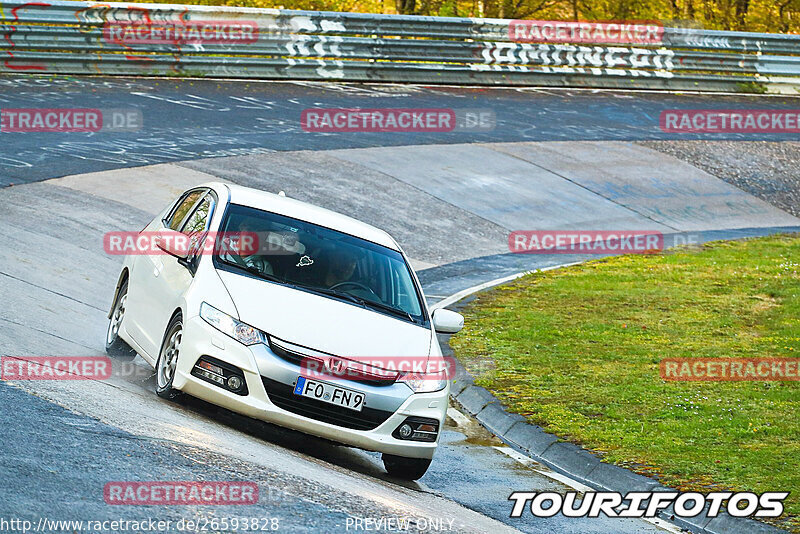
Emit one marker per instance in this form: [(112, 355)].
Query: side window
[(177, 217), (199, 218)]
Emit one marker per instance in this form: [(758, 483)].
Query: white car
[(239, 328)]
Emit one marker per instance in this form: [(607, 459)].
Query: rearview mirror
[(447, 322), (173, 243)]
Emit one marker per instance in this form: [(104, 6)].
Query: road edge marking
[(455, 297)]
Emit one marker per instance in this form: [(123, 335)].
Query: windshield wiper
[(334, 293), (365, 302), (257, 272), (391, 309)]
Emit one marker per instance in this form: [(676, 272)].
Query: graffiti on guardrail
[(9, 37), (693, 37), (101, 14), (81, 38), (570, 57)]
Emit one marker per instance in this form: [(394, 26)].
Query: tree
[(406, 7)]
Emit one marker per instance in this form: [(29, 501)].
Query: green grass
[(576, 351), (752, 87)]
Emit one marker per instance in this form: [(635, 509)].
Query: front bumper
[(270, 379)]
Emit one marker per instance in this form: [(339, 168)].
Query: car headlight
[(241, 332), (426, 383)]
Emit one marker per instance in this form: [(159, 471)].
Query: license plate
[(331, 394)]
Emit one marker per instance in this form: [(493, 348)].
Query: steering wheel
[(357, 285)]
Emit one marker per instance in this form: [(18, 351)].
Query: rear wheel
[(405, 468), (168, 360), (115, 345)]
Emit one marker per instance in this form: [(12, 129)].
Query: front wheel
[(115, 345), (168, 360), (405, 468)]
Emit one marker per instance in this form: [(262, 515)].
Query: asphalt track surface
[(59, 308), (62, 441), (185, 119)]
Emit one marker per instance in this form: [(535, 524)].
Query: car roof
[(256, 198)]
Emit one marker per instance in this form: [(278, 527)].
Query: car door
[(146, 280), (176, 276)]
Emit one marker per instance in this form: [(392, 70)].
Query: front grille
[(283, 397), (314, 360), (285, 353)]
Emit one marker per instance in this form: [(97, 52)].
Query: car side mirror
[(447, 322), (173, 243)]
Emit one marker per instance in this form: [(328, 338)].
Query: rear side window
[(198, 220), (177, 217)]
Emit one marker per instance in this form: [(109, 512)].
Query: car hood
[(323, 323)]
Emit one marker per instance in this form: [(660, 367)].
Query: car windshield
[(321, 260)]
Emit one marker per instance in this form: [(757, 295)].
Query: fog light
[(221, 374), (234, 382), (405, 431), (418, 429)]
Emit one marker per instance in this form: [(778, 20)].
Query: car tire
[(115, 345), (405, 468), (167, 361)]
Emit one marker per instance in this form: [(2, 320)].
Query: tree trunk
[(742, 7), (507, 10), (406, 7)]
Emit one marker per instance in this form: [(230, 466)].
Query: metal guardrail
[(88, 38)]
